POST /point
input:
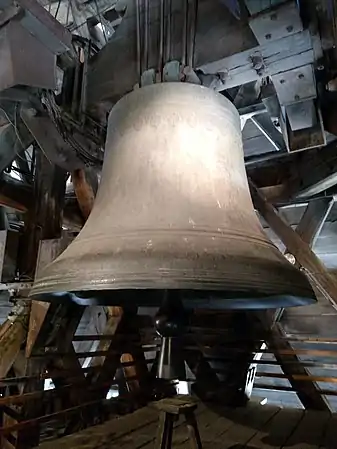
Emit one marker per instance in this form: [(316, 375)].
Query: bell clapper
[(170, 322)]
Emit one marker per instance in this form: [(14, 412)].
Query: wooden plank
[(299, 377), (261, 386), (13, 334), (9, 202), (95, 431), (310, 431), (114, 316), (313, 352), (275, 433), (303, 384), (301, 250), (247, 426)]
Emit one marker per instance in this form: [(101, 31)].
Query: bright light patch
[(49, 384), (112, 393), (182, 387)]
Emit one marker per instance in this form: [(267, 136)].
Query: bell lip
[(196, 299)]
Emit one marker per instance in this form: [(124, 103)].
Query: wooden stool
[(169, 411)]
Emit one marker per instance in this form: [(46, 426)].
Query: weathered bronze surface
[(174, 212)]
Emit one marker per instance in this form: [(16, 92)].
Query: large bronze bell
[(174, 212)]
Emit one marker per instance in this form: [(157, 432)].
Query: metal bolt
[(282, 81), (301, 76), (290, 258), (320, 67), (290, 28), (273, 16), (268, 36), (296, 97)]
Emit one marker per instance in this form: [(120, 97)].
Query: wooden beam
[(85, 186), (43, 220), (326, 283), (304, 237), (13, 334), (114, 316), (9, 202), (306, 390), (122, 322)]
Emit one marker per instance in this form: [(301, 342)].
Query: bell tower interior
[(168, 240)]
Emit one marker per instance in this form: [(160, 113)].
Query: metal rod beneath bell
[(170, 322)]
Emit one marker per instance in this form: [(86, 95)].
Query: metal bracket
[(295, 85), (303, 138), (276, 23)]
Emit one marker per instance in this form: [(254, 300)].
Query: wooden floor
[(255, 426)]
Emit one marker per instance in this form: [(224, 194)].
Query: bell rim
[(191, 299)]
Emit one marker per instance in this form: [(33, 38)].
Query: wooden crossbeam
[(296, 242), (298, 376), (326, 283), (13, 334)]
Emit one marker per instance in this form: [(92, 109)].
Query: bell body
[(174, 212)]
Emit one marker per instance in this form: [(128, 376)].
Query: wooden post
[(42, 221), (122, 322)]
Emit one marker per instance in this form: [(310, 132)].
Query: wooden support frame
[(303, 238), (13, 334), (122, 322), (44, 220), (307, 392), (307, 259)]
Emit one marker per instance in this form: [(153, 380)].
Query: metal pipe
[(146, 35), (192, 11), (161, 38), (184, 37), (139, 63), (168, 31)]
